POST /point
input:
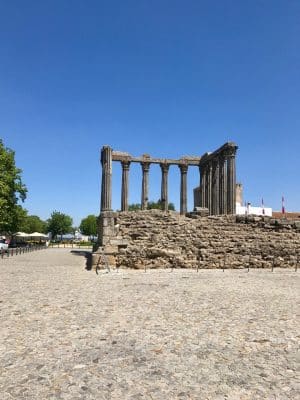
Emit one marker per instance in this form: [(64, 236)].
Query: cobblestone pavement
[(67, 333)]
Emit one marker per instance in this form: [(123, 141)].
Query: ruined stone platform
[(68, 333)]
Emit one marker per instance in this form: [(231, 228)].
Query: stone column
[(209, 187), (183, 188), (206, 184), (203, 185), (164, 186), (145, 184), (231, 181), (106, 162), (215, 187), (223, 185), (124, 192)]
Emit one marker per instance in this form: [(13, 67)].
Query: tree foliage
[(12, 191), (59, 224), (152, 205), (33, 223), (157, 205), (88, 225), (134, 207)]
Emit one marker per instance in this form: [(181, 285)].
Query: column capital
[(215, 162), (145, 166), (222, 158), (229, 152), (183, 168), (164, 167), (125, 164)]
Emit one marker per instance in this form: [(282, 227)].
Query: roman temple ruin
[(210, 236), (217, 179)]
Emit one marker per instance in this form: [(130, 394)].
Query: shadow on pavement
[(87, 255)]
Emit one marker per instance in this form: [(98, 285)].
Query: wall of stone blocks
[(164, 240)]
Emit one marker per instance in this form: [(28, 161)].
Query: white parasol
[(38, 235)]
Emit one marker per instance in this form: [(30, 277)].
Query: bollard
[(224, 261), (273, 264), (249, 262), (297, 260)]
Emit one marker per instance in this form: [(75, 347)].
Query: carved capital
[(125, 165), (183, 168), (229, 152), (145, 166), (215, 163), (164, 167)]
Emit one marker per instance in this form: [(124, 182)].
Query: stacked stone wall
[(160, 240)]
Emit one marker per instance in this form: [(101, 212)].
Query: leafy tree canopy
[(88, 225), (12, 190), (59, 224), (134, 207), (33, 223), (157, 205)]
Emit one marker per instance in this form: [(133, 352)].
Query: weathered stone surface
[(157, 240), (69, 334)]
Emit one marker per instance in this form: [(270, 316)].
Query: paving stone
[(68, 333)]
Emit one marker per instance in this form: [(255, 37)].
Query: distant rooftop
[(288, 215)]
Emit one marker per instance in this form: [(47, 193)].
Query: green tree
[(134, 207), (152, 205), (33, 223), (19, 217), (157, 205), (59, 224), (12, 191), (88, 225)]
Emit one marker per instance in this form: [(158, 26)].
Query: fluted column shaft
[(209, 187), (164, 186), (183, 188), (106, 162), (231, 184), (206, 172), (145, 184), (223, 185), (203, 185), (215, 187), (125, 180)]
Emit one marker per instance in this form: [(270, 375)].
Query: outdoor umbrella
[(38, 235)]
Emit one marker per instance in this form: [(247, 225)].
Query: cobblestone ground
[(67, 333)]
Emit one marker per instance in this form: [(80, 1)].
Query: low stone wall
[(160, 240)]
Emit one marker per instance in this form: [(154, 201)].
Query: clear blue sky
[(168, 78)]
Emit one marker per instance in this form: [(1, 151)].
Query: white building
[(248, 209), (252, 210)]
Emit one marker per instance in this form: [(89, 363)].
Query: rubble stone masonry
[(155, 239)]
